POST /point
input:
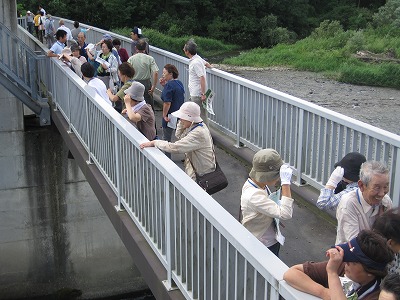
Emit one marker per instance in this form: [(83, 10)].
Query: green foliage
[(331, 50), (387, 75), (230, 21), (388, 15), (356, 42), (271, 34), (207, 47), (327, 29)]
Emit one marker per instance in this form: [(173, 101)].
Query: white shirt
[(259, 211), (100, 88), (197, 69), (355, 214), (69, 34)]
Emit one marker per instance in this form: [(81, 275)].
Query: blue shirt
[(175, 93), (57, 47), (328, 200)]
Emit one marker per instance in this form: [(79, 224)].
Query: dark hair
[(388, 225), (60, 34), (108, 44), (76, 24), (126, 69), (172, 69), (87, 70), (141, 45), (391, 284), (374, 246), (116, 42)]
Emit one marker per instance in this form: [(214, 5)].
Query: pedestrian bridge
[(184, 243)]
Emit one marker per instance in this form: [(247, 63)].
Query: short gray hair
[(191, 47), (371, 168)]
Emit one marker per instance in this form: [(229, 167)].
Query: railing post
[(299, 152), (34, 78), (395, 174), (168, 282), (238, 125), (69, 109), (117, 163), (89, 161)]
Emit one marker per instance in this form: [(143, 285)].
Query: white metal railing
[(206, 252), (309, 137)]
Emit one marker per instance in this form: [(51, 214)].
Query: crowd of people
[(363, 264), (127, 83)]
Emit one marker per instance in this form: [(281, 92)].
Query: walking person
[(29, 21), (49, 31), (36, 23)]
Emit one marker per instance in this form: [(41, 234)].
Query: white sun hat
[(189, 111)]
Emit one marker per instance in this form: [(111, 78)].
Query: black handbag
[(212, 182)]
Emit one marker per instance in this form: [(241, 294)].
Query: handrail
[(179, 220), (309, 137), (190, 233), (20, 64), (205, 251)]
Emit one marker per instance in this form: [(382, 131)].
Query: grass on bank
[(331, 51), (206, 47)]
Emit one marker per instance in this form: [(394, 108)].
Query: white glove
[(286, 174), (336, 177)]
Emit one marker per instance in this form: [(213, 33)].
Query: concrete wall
[(53, 232)]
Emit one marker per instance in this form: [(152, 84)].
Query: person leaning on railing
[(194, 139), (363, 260)]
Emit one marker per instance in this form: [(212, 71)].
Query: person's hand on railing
[(147, 144), (285, 173), (335, 178)]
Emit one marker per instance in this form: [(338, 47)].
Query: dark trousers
[(275, 249)]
